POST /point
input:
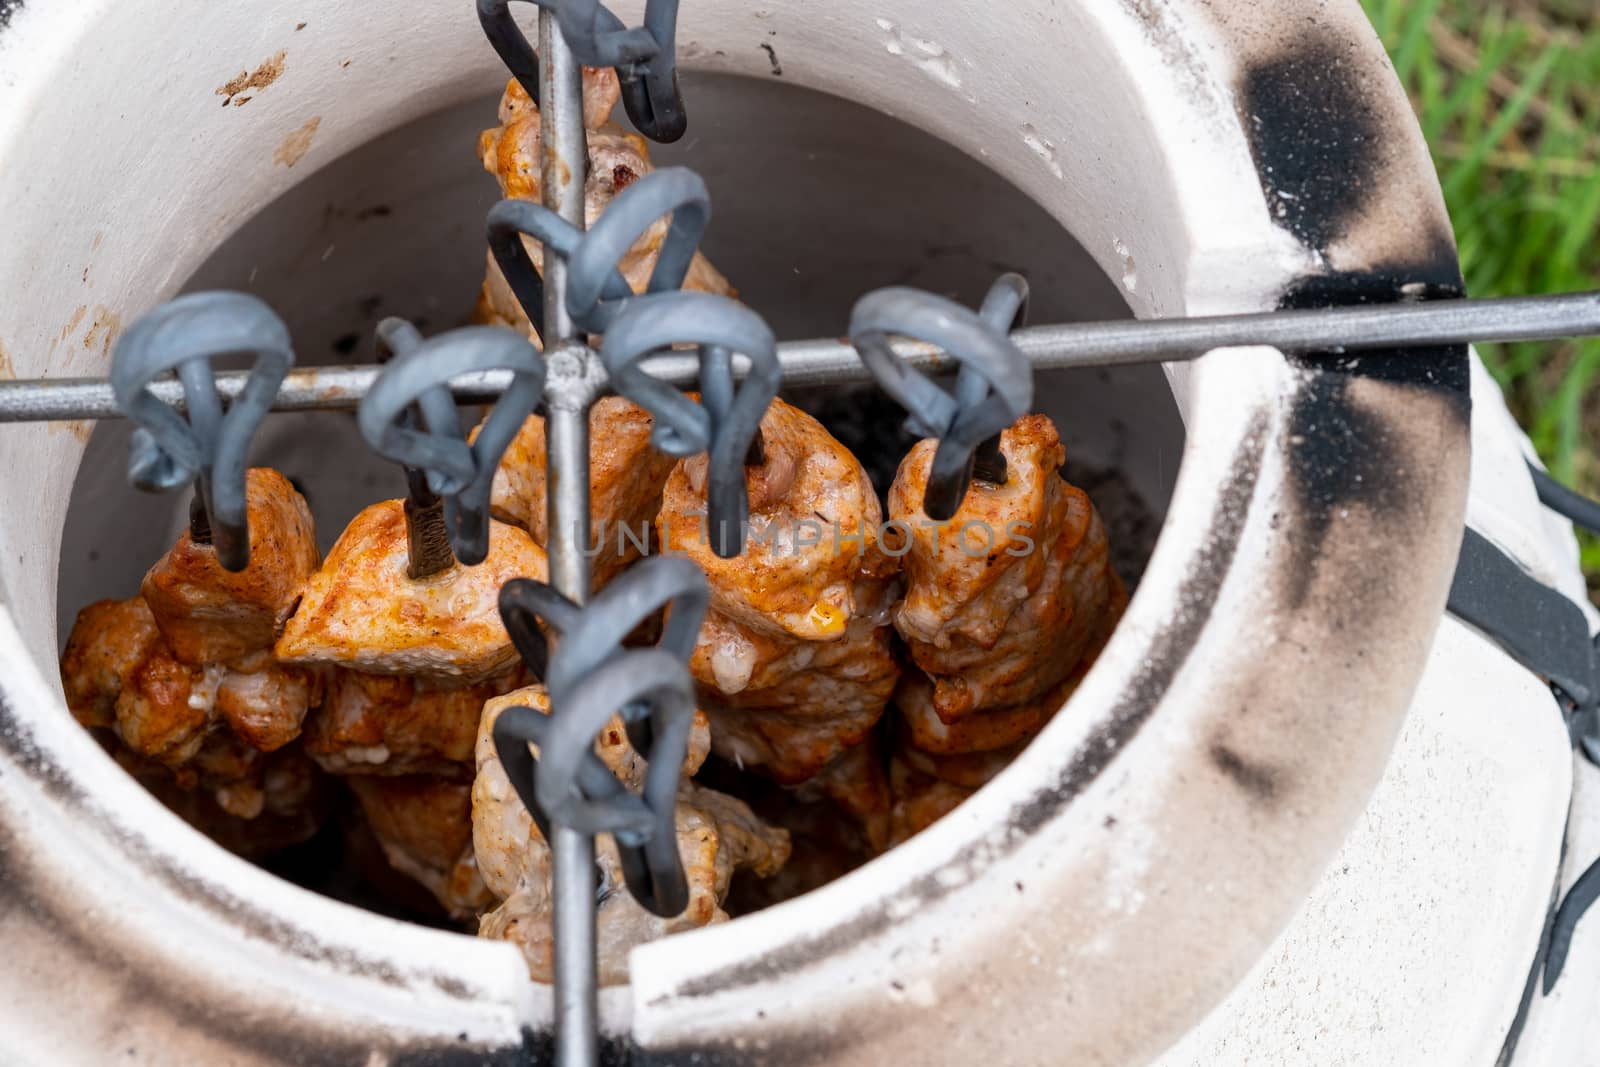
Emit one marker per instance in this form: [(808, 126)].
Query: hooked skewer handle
[(645, 57), (591, 677), (417, 378), (726, 424), (208, 449), (993, 388)]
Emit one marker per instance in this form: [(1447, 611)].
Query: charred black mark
[(1434, 276), (1316, 139), (7, 9), (1339, 455), (772, 57), (378, 211), (1259, 781), (346, 343), (814, 1046), (18, 741), (1170, 650), (536, 1047)]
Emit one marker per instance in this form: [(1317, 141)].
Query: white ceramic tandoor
[(1152, 877)]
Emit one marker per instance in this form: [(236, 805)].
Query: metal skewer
[(826, 361), (572, 384)]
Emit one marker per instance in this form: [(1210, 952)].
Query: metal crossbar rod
[(830, 361)]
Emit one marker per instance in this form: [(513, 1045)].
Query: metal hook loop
[(596, 290), (645, 57), (725, 423), (510, 44), (993, 388), (650, 91), (420, 374), (209, 448), (591, 677)]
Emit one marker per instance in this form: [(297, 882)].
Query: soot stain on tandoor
[(1320, 150)]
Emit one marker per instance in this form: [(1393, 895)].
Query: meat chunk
[(181, 685), (265, 702), (165, 710), (361, 611), (1007, 605), (920, 799), (424, 823), (207, 725), (211, 615), (616, 159), (109, 640), (386, 724), (626, 477), (1004, 599), (794, 663), (716, 835)]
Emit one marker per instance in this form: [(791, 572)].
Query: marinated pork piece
[(387, 724), (182, 677), (162, 721), (989, 730), (109, 640), (794, 663), (1007, 606), (920, 800), (716, 835), (119, 672), (361, 611), (211, 615), (265, 702), (626, 477), (424, 823), (1005, 599), (616, 159)]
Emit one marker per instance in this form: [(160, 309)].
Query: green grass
[(1508, 93)]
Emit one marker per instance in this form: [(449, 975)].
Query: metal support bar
[(829, 361), (570, 390)]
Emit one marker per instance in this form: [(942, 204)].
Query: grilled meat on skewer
[(424, 824), (616, 159), (412, 661), (180, 680), (211, 615), (1007, 604), (361, 611), (716, 836), (626, 476), (794, 663)]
